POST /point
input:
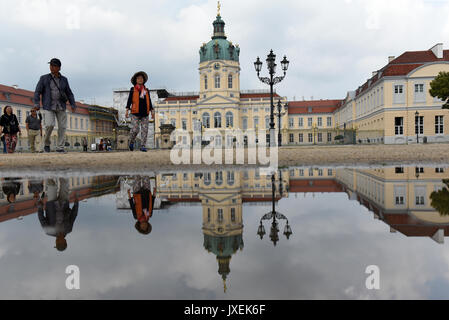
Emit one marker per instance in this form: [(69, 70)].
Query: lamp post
[(314, 129), (271, 81), (274, 216), (279, 114), (417, 126)]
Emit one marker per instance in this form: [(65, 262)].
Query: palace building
[(220, 104)]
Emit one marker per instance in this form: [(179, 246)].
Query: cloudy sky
[(333, 45)]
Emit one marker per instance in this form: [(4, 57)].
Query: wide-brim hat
[(140, 73)]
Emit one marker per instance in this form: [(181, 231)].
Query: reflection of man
[(142, 203), (58, 219), (35, 187)]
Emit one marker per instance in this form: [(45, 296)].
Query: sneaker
[(47, 148), (143, 149), (131, 147)]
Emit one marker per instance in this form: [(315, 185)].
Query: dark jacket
[(142, 199), (10, 124), (43, 88), (52, 210)]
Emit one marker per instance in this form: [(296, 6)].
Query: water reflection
[(411, 201), (54, 212)]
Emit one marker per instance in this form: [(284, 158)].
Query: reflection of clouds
[(333, 241)]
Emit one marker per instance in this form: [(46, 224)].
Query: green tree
[(440, 199), (439, 87)]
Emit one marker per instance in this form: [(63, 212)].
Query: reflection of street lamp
[(271, 81), (279, 114), (314, 129), (417, 126), (273, 215), (417, 173)]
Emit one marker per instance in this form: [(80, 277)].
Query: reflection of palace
[(398, 196), (26, 204), (221, 195)]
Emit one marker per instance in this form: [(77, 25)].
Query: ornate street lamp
[(417, 126), (275, 217), (279, 114), (271, 81)]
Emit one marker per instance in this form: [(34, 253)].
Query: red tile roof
[(257, 95), (25, 97), (315, 185), (182, 98), (403, 65), (318, 106)]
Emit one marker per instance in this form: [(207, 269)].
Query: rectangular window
[(399, 195), (439, 125), (310, 138), (76, 123), (291, 122), (420, 195), (301, 138), (233, 214), (399, 126), (329, 122), (419, 88), (329, 137), (217, 81), (245, 123), (419, 125), (19, 116), (399, 94), (292, 138), (399, 170), (82, 123), (301, 122), (309, 122), (320, 137), (184, 124), (220, 215), (439, 170), (320, 122), (301, 172)]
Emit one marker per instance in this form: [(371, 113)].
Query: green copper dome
[(219, 48)]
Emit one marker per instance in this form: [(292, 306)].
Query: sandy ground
[(155, 160)]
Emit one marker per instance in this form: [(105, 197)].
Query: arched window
[(207, 179), (206, 120), (244, 123), (230, 81), (229, 119), (217, 81), (230, 178), (205, 82), (217, 120), (219, 178)]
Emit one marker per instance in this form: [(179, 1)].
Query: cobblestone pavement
[(379, 155)]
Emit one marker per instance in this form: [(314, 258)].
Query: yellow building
[(21, 101), (394, 106), (220, 104)]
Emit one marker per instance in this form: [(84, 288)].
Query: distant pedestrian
[(139, 103), (10, 127), (4, 143), (34, 129), (101, 145), (55, 91), (84, 144), (11, 188)]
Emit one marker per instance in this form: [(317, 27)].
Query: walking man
[(55, 91), (34, 128)]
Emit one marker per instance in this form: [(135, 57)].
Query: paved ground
[(380, 155)]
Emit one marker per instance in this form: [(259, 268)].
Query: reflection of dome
[(219, 48), (223, 248)]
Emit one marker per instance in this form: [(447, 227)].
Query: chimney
[(375, 73), (438, 50), (15, 86), (391, 58)]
